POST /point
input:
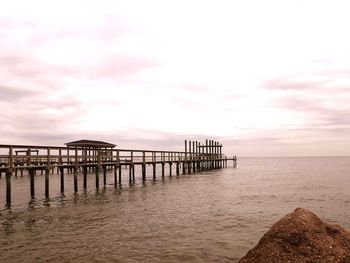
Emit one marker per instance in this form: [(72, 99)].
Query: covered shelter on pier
[(92, 147), (90, 144)]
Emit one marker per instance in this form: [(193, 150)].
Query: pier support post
[(170, 169), (177, 168), (130, 173), (116, 168), (131, 168), (189, 163), (47, 173), (120, 174), (8, 176), (143, 172), (206, 162), (143, 166), (193, 157), (104, 175), (85, 176), (8, 187), (32, 183), (163, 164), (97, 171), (154, 171), (184, 163), (75, 175), (47, 185), (115, 175), (62, 180), (75, 171)]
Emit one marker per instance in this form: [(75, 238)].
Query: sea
[(209, 216)]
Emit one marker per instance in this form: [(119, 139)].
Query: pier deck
[(26, 160)]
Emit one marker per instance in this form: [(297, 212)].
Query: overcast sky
[(266, 78)]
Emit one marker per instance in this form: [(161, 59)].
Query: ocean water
[(212, 216)]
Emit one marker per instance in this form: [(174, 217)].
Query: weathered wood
[(75, 178), (97, 175), (47, 185), (97, 169), (32, 182), (206, 153), (8, 188), (214, 154), (130, 173), (185, 162), (143, 166), (47, 173), (190, 158), (131, 168), (104, 167), (115, 170), (221, 156), (8, 175), (196, 158), (154, 170), (210, 154), (62, 180), (120, 174), (75, 171), (85, 177)]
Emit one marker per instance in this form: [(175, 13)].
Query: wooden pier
[(97, 157)]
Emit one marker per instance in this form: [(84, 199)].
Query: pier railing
[(26, 160)]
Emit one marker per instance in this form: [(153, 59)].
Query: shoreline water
[(213, 216)]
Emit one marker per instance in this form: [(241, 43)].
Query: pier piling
[(47, 186), (8, 188), (82, 158), (97, 171), (32, 182)]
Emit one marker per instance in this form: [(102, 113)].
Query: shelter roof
[(90, 143)]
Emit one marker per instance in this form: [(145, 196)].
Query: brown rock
[(301, 237)]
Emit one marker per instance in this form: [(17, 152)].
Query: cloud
[(49, 72), (11, 94), (22, 71), (322, 100), (318, 109), (39, 122), (119, 66), (327, 81)]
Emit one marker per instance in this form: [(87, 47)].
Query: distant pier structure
[(95, 158)]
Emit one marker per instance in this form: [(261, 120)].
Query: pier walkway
[(94, 156)]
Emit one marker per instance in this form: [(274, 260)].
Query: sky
[(265, 78)]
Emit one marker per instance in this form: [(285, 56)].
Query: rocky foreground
[(301, 237)]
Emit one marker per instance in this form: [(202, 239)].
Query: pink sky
[(266, 78)]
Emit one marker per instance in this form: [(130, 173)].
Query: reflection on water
[(213, 216)]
